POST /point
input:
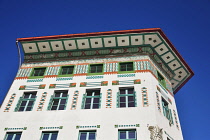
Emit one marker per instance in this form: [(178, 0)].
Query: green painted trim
[(35, 77)]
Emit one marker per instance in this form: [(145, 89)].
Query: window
[(13, 136), (96, 68), (127, 135), (161, 80), (127, 66), (91, 100), (38, 72), (87, 135), (58, 100), (26, 102), (166, 111), (126, 97), (66, 70), (49, 135)]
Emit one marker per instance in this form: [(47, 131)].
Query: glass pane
[(54, 136), (89, 93), (61, 107), (123, 135), (26, 95), (130, 98), (64, 71), (28, 108), (95, 106), (130, 91), (122, 91), (91, 136), (97, 92), (83, 136), (95, 100), (63, 101), (45, 137), (17, 137), (131, 104), (57, 94), (88, 100), (55, 101), (122, 99), (87, 106), (30, 103), (131, 134), (65, 94), (9, 137), (54, 108), (23, 103), (21, 108), (122, 105), (33, 95)]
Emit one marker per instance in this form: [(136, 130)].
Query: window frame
[(126, 95), (130, 71), (87, 135), (95, 73), (127, 134), (49, 132), (35, 77), (161, 79), (18, 106), (166, 110), (85, 97), (15, 133), (59, 102), (66, 75)]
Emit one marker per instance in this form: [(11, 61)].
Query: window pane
[(131, 104), (54, 136), (130, 98), (61, 107), (132, 134), (65, 94), (122, 105), (9, 137), (87, 106), (95, 106), (88, 100), (54, 108), (122, 91), (55, 102), (130, 91), (83, 136), (45, 137), (57, 94), (123, 135), (23, 103), (21, 109), (63, 101), (122, 99), (28, 109), (96, 100), (30, 103), (91, 136), (26, 95), (17, 137)]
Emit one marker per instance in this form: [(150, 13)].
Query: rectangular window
[(166, 111), (91, 99), (87, 135), (96, 68), (59, 100), (127, 134), (26, 102), (13, 136), (126, 97), (161, 80), (65, 70), (49, 135), (127, 66), (38, 72)]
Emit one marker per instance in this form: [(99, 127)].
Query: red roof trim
[(118, 32)]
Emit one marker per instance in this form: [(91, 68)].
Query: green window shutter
[(50, 102), (118, 99), (171, 117), (100, 100), (134, 94), (83, 101), (18, 104), (66, 101)]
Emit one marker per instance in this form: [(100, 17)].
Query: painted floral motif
[(52, 85), (137, 81), (42, 86), (22, 87), (83, 84), (104, 83), (72, 84), (115, 82)]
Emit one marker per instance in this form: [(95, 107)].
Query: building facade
[(117, 85)]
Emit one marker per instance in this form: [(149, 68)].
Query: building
[(117, 85)]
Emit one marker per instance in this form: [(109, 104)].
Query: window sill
[(35, 77), (123, 72)]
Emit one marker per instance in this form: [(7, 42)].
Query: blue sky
[(185, 23)]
